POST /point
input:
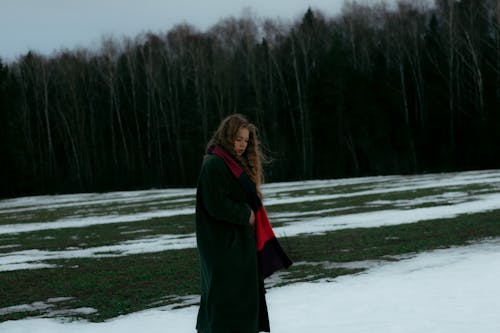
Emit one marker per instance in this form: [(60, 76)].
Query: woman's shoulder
[(213, 162), (214, 168), (211, 159)]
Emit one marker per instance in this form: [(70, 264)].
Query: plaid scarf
[(270, 255)]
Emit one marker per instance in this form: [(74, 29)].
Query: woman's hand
[(252, 218)]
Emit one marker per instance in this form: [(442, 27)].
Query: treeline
[(371, 91)]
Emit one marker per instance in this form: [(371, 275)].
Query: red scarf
[(270, 255)]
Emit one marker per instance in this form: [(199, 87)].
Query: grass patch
[(113, 286), (309, 273), (377, 243), (75, 210), (121, 285), (97, 235)]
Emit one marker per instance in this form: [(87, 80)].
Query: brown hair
[(252, 159)]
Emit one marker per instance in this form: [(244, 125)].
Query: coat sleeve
[(215, 195)]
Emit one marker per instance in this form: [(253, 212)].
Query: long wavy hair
[(251, 160)]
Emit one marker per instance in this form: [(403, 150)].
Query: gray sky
[(48, 25)]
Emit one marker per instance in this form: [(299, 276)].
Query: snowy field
[(449, 200), (446, 290), (453, 290)]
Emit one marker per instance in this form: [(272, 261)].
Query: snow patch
[(449, 290)]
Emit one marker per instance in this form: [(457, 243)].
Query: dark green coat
[(226, 245)]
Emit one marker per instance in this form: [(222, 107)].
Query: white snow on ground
[(461, 178), (287, 215), (83, 199), (388, 188), (34, 306), (448, 197), (9, 246), (24, 265), (451, 290), (397, 183), (481, 203), (92, 220), (29, 259), (387, 184), (443, 291)]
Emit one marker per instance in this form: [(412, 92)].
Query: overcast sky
[(48, 25)]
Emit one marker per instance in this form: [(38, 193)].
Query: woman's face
[(241, 141)]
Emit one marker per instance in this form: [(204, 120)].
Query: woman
[(235, 241)]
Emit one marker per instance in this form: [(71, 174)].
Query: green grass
[(97, 235), (121, 285), (377, 243), (74, 211), (114, 286)]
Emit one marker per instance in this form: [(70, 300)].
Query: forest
[(374, 90)]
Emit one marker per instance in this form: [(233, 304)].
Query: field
[(97, 256)]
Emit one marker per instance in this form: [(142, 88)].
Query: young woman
[(236, 245)]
